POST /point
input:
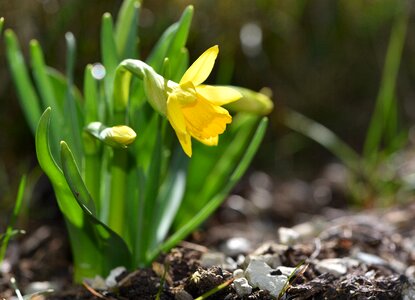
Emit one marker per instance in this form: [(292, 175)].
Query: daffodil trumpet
[(192, 108)]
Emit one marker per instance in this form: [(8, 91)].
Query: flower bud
[(253, 102), (117, 136)]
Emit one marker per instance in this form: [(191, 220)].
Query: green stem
[(118, 185)]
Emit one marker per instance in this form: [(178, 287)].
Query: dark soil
[(380, 243)]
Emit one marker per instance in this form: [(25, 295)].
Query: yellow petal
[(177, 121), (201, 68), (213, 141), (205, 120), (186, 143), (218, 95)]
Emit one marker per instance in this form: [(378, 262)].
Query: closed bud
[(258, 103)]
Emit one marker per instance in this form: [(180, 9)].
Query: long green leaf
[(74, 180), (16, 211), (70, 209), (46, 91), (382, 117), (28, 98), (110, 57), (74, 121), (126, 29), (323, 136), (108, 244), (170, 196), (207, 210)]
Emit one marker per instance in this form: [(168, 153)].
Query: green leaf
[(91, 96), (74, 180), (170, 196), (171, 45), (110, 57), (26, 92), (382, 123), (97, 249), (70, 209), (126, 29), (239, 169), (4, 241), (323, 136), (46, 91), (74, 121)]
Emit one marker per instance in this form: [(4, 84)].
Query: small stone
[(369, 259), (288, 236), (111, 280), (238, 273), (242, 287), (259, 275), (333, 266), (273, 260), (41, 286), (236, 245)]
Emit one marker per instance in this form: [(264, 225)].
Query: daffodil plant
[(146, 152)]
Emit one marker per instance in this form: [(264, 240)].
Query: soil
[(376, 246)]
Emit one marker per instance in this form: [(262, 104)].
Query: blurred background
[(323, 58)]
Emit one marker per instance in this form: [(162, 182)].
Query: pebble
[(273, 260), (369, 259), (288, 236), (335, 266), (259, 275), (242, 286), (235, 246), (111, 280), (238, 273)]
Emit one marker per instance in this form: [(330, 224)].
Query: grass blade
[(385, 102), (323, 136), (13, 218), (28, 98), (110, 57), (74, 179), (126, 29), (75, 121)]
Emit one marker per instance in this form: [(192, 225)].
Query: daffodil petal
[(201, 68), (218, 95), (212, 141), (177, 121), (205, 120), (186, 143)]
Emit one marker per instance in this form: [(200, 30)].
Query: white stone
[(288, 236), (336, 266), (111, 281), (238, 273), (259, 275), (242, 286), (369, 259), (272, 260)]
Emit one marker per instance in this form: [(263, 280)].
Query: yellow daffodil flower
[(193, 109)]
